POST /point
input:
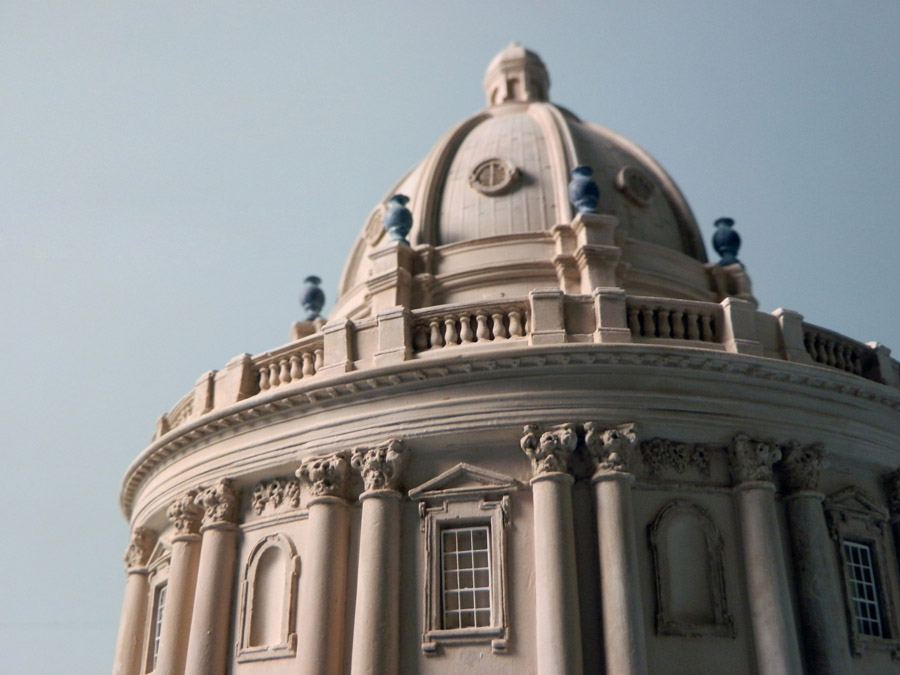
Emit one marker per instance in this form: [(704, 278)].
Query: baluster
[(693, 326), (320, 359), (633, 324), (662, 321), (821, 350), (263, 378), (678, 325), (808, 343), (274, 374), (296, 370), (284, 371), (451, 337), (856, 362), (648, 324), (420, 340), (499, 328), (839, 357), (706, 328), (436, 340), (515, 324), (482, 332), (309, 368), (465, 331)]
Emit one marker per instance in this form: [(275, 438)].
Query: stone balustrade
[(474, 324), (546, 317), (674, 319)]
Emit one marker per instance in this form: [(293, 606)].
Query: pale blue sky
[(171, 171)]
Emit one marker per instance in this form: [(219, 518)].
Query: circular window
[(493, 177), (636, 185)]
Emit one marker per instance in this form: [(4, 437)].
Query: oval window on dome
[(493, 177), (636, 185)]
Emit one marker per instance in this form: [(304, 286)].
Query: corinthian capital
[(139, 548), (611, 449), (381, 467), (892, 487), (751, 459), (549, 451), (221, 503), (801, 465), (185, 514), (327, 476)]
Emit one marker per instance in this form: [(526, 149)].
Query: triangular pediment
[(853, 500), (159, 555), (465, 480)]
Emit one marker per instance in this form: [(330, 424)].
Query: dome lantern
[(516, 75)]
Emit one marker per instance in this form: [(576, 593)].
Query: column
[(826, 643), (185, 516), (324, 578), (377, 617), (557, 618), (775, 637), (208, 648), (623, 621), (130, 643)]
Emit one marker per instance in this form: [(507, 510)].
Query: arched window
[(690, 582), (268, 600)]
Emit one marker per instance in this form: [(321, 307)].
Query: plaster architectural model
[(538, 433)]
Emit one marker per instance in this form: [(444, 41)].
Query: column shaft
[(375, 625), (775, 636), (623, 621), (321, 629), (209, 644), (558, 623), (176, 622), (130, 642), (826, 641)]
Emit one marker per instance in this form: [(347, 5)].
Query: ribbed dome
[(504, 173)]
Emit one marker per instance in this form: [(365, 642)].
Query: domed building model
[(539, 433)]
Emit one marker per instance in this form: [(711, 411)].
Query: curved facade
[(531, 440)]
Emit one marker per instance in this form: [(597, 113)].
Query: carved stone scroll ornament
[(801, 465), (381, 467), (185, 513), (892, 488), (549, 451), (139, 548), (273, 493), (327, 476), (221, 503), (661, 453), (751, 459), (610, 448)]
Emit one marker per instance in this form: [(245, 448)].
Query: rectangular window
[(864, 592), (159, 605), (466, 577)]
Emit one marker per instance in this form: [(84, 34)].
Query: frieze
[(381, 467), (273, 495), (662, 453), (549, 450), (327, 476)]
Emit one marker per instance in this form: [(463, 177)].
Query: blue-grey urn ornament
[(583, 191), (398, 219), (726, 241), (312, 299)]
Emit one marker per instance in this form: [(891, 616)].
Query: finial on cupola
[(726, 241), (398, 219), (583, 191), (312, 299)]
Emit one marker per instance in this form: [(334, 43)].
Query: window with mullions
[(159, 605), (863, 586), (466, 577)]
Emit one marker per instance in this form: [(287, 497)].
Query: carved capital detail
[(752, 459), (139, 548), (381, 467), (272, 494), (549, 450), (185, 514), (892, 487), (327, 476), (801, 465), (610, 448), (221, 503)]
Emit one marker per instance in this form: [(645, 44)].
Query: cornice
[(508, 357)]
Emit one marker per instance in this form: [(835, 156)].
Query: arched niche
[(268, 600), (690, 579)]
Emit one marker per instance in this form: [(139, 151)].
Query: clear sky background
[(171, 171)]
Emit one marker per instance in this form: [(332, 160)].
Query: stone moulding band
[(251, 410)]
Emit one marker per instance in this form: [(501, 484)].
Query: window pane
[(466, 577), (863, 589)]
